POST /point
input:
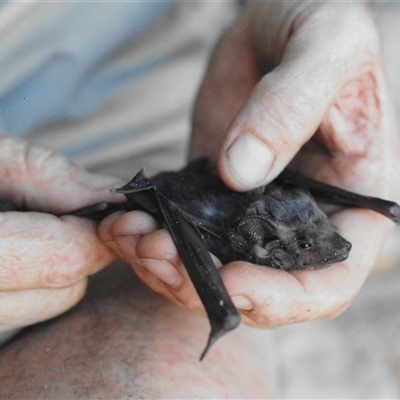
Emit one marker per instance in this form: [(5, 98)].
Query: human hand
[(45, 260), (298, 83)]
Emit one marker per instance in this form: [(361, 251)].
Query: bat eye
[(305, 245)]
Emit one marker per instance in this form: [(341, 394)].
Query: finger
[(43, 251), (226, 85), (288, 104), (119, 224), (23, 308), (160, 267), (44, 180), (279, 298), (121, 231)]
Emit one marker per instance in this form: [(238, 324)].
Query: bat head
[(287, 230)]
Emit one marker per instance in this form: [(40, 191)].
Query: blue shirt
[(53, 59)]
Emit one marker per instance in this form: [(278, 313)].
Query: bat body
[(278, 225)]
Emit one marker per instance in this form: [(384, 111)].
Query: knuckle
[(288, 115), (45, 161), (25, 308), (352, 22), (70, 267)]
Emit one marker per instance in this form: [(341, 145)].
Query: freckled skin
[(125, 341)]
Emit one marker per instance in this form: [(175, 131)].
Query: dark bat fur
[(278, 225)]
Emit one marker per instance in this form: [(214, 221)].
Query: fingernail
[(97, 181), (163, 270), (242, 303), (249, 159)]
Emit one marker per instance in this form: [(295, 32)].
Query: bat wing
[(333, 195), (202, 271)]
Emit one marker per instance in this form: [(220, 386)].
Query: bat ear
[(257, 229)]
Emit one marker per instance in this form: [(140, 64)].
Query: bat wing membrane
[(196, 258), (329, 194)]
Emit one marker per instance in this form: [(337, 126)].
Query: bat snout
[(341, 246), (333, 250)]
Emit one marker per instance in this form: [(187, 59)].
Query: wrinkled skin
[(298, 83), (45, 260)]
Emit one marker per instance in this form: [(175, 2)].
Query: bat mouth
[(340, 252), (326, 262)]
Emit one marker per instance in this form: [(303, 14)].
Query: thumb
[(44, 180), (66, 187), (325, 51)]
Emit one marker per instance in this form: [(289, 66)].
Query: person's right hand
[(290, 82), (45, 260)]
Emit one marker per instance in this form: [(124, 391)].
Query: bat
[(278, 225)]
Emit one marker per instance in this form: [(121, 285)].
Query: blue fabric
[(52, 62)]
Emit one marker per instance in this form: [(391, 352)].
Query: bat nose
[(341, 244), (342, 249)]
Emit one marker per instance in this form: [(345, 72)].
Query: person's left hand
[(45, 261)]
